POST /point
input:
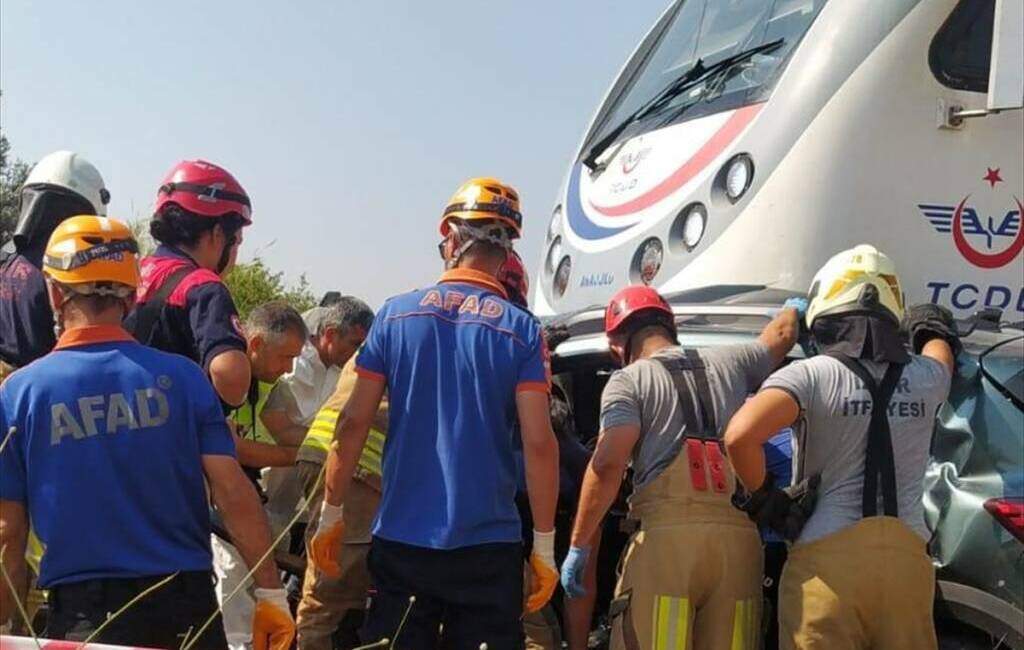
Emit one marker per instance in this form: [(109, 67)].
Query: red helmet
[(634, 300), (512, 275), (205, 189)]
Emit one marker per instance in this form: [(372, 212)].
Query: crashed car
[(974, 492)]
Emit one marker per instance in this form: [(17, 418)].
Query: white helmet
[(861, 279), (72, 172)]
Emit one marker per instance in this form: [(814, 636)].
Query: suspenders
[(879, 463), (702, 443)]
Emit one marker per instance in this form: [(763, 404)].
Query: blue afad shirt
[(453, 356), (106, 455)]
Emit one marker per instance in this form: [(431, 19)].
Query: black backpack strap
[(879, 462), (707, 405), (147, 315), (676, 369)]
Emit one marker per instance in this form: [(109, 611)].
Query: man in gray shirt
[(694, 566), (858, 575)]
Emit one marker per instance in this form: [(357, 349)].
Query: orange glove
[(272, 626), (325, 546), (543, 572)]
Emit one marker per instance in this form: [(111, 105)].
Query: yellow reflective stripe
[(671, 623), (744, 626), (683, 623)]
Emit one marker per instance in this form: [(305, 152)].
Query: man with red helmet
[(183, 305), (694, 564)]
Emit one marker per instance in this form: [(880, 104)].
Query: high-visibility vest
[(245, 414), (321, 434)]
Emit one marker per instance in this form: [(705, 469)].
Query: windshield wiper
[(697, 73)]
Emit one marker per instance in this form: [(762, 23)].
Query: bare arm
[(239, 506), (603, 478), (253, 453), (780, 335), (230, 374), (754, 424), (13, 541), (285, 432), (540, 452), (350, 436), (939, 350)]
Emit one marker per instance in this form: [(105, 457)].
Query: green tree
[(13, 173), (251, 284)]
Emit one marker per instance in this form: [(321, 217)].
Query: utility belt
[(198, 584)]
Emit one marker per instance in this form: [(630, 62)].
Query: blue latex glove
[(572, 571), (799, 304)]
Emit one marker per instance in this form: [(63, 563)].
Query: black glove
[(555, 335), (928, 321), (784, 511)]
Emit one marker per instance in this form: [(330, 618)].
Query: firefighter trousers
[(326, 600), (691, 575), (870, 585)]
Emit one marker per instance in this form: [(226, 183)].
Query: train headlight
[(647, 260), (556, 217), (688, 228), (561, 282), (554, 255), (739, 172)]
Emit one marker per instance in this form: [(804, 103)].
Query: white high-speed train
[(745, 142)]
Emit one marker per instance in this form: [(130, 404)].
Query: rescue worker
[(543, 629), (183, 305), (60, 185), (335, 333), (275, 334), (858, 574), (327, 601), (459, 361), (693, 567), (113, 440)]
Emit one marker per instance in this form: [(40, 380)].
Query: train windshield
[(706, 32)]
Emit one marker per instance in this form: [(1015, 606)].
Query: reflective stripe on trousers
[(692, 572)]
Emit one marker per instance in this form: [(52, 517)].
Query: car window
[(1004, 364)]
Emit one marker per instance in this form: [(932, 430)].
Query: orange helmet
[(85, 250), (485, 199), (512, 275)]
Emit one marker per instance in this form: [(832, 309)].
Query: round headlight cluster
[(688, 228), (647, 260), (561, 282), (556, 217), (739, 172), (553, 256)]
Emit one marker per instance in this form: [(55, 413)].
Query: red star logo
[(992, 176)]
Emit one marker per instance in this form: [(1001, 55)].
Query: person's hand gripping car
[(273, 627), (784, 511), (543, 572), (325, 546), (928, 321)]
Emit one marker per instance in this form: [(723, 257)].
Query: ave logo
[(987, 241)]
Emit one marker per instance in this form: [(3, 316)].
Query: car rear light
[(1008, 511)]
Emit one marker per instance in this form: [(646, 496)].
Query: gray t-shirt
[(832, 433), (643, 393)]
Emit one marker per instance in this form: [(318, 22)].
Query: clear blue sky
[(349, 122)]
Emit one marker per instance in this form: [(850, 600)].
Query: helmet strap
[(466, 236)]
